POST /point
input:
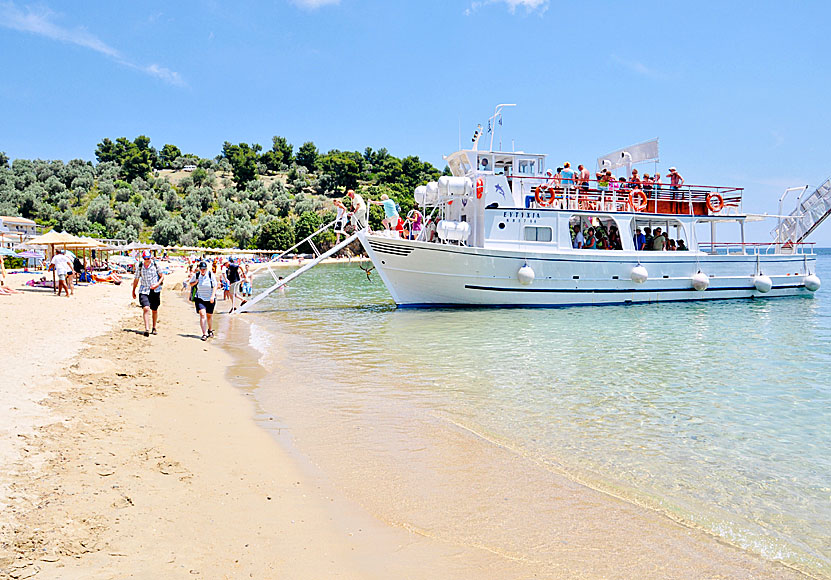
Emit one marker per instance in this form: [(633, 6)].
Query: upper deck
[(534, 186)]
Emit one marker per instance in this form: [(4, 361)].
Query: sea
[(716, 414)]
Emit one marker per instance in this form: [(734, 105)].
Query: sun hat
[(672, 169), (146, 256)]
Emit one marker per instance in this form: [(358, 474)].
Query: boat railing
[(593, 195), (754, 248)]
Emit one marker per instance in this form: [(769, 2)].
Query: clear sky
[(737, 92)]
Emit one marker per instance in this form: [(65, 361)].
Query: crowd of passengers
[(601, 238), (568, 177)]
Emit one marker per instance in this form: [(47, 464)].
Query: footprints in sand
[(75, 482)]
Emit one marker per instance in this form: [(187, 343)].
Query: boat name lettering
[(522, 216)]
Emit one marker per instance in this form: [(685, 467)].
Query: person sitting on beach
[(205, 283), (390, 220), (681, 246)]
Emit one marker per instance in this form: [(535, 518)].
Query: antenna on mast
[(497, 114)]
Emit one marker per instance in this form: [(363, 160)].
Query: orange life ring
[(640, 196), (539, 195), (480, 188), (718, 205)]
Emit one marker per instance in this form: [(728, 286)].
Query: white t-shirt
[(205, 284), (62, 263), (358, 203), (579, 240)]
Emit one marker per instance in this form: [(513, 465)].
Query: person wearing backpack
[(203, 294), (150, 291)]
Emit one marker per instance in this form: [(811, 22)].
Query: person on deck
[(640, 239), (584, 176), (647, 239), (359, 210), (591, 240), (681, 246), (659, 243), (340, 220), (579, 240), (675, 179), (390, 220)]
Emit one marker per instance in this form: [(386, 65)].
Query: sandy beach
[(127, 456)]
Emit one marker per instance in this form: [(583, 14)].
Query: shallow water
[(717, 414)]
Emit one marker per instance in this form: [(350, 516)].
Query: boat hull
[(421, 274)]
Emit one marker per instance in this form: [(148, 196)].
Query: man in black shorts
[(205, 284), (150, 291)]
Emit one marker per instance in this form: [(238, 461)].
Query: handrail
[(615, 196), (306, 239)]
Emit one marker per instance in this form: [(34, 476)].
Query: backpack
[(193, 291)]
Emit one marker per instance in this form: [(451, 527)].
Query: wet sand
[(143, 460)]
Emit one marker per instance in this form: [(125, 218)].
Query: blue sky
[(737, 92)]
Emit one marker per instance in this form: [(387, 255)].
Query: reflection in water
[(715, 412)]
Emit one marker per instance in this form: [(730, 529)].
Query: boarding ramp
[(805, 218), (303, 269)]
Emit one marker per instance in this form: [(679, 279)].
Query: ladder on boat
[(303, 269), (807, 216)]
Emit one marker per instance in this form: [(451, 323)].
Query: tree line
[(244, 197)]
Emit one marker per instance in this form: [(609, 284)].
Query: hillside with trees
[(245, 197)]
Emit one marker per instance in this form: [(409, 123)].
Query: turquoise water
[(717, 414)]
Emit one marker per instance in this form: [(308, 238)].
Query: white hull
[(421, 274)]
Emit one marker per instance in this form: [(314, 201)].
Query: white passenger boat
[(505, 230)]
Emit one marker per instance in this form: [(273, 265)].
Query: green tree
[(343, 167), (168, 155), (307, 224), (281, 145), (243, 159), (168, 231), (4, 159), (307, 155), (277, 234)]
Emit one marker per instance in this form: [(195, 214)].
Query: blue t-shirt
[(640, 241), (389, 208), (567, 176)]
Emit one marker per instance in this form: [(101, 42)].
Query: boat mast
[(497, 114)]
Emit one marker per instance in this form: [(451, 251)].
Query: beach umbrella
[(30, 255), (7, 252)]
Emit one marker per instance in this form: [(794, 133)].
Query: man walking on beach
[(234, 276), (150, 291), (63, 266)]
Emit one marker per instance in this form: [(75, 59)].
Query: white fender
[(639, 274), (526, 275), (700, 281), (812, 282), (763, 283)]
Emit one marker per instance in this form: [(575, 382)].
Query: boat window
[(538, 234), (673, 230), (527, 166), (604, 227)]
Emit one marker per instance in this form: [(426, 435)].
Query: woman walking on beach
[(205, 283)]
